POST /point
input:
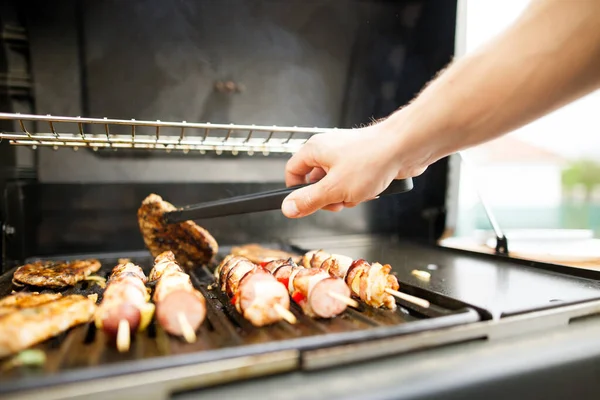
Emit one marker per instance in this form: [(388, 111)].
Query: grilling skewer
[(125, 306), (369, 282), (180, 308), (410, 298), (314, 290), (254, 292)]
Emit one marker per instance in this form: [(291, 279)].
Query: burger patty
[(55, 274)]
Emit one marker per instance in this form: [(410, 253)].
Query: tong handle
[(255, 202)]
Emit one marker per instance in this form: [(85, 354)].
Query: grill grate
[(114, 134), (85, 351)]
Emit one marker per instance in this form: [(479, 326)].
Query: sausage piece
[(257, 295), (189, 303), (322, 303), (176, 297), (124, 299)]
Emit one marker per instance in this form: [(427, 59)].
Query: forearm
[(548, 58)]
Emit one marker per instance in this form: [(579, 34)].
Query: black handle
[(256, 202)]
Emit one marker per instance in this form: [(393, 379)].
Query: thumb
[(309, 199)]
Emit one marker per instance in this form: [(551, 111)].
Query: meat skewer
[(125, 307), (372, 283), (180, 308), (316, 292), (254, 292)]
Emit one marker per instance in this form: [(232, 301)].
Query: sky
[(573, 131)]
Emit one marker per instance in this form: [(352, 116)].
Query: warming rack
[(114, 134)]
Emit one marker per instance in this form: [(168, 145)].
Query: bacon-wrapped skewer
[(180, 308), (254, 292), (372, 283), (313, 289), (125, 307)]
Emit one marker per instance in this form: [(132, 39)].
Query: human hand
[(351, 166)]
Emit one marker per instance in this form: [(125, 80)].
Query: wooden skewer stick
[(186, 329), (123, 336), (285, 313), (411, 299), (346, 300)]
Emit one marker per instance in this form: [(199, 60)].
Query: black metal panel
[(75, 218)]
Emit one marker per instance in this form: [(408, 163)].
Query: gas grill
[(84, 363), (71, 186)]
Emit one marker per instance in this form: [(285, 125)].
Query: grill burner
[(85, 352)]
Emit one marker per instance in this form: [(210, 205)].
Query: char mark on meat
[(191, 244), (55, 274)]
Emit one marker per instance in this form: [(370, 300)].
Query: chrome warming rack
[(114, 134)]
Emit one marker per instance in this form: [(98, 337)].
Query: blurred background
[(542, 181)]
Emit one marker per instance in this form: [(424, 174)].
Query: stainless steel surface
[(560, 362), (536, 322), (73, 132), (162, 384), (497, 286)]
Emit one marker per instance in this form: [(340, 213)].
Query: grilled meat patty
[(191, 244), (258, 254), (55, 274), (22, 300), (26, 327)]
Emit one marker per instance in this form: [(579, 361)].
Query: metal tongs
[(256, 202)]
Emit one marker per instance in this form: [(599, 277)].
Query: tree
[(582, 172)]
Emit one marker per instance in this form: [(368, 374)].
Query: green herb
[(26, 358)]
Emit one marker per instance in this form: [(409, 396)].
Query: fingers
[(316, 175), (300, 165), (309, 199), (337, 207)]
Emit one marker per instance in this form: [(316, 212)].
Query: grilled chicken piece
[(24, 328), (23, 300), (55, 274), (191, 244), (258, 254)]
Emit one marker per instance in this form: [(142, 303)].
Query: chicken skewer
[(180, 308), (314, 290), (372, 283), (125, 307), (254, 292)]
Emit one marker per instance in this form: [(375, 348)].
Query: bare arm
[(549, 57)]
